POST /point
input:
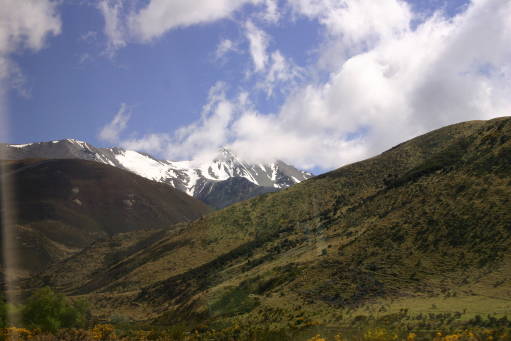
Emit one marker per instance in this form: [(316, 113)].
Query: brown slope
[(64, 205)]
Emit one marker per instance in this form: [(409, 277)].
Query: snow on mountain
[(179, 174)]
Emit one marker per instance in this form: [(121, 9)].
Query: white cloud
[(111, 131), (354, 26), (388, 81), (409, 81), (114, 26), (281, 73), (155, 143), (359, 20), (24, 24), (258, 44), (270, 68), (271, 13), (158, 17), (198, 140), (259, 138), (224, 47)]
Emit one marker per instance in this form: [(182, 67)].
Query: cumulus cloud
[(259, 138), (24, 25), (359, 20), (111, 131), (354, 26), (389, 79), (27, 24), (407, 81)]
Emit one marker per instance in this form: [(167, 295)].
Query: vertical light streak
[(8, 219)]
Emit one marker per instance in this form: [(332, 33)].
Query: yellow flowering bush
[(379, 334), (103, 332), (411, 337), (14, 333)]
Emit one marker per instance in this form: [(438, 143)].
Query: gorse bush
[(15, 334), (49, 311)]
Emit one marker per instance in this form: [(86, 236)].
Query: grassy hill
[(64, 205), (424, 226)]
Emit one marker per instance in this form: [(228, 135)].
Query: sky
[(315, 83)]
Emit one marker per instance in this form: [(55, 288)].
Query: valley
[(423, 227)]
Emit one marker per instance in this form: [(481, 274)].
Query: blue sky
[(318, 83), (75, 87)]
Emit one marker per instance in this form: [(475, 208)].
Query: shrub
[(49, 311), (379, 334), (104, 332)]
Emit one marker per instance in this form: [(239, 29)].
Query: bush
[(49, 311), (7, 311), (3, 313)]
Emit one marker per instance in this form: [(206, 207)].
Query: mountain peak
[(183, 175), (225, 153)]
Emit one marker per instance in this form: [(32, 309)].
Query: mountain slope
[(183, 175), (64, 205), (220, 194), (427, 217)]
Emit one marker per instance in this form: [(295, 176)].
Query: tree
[(50, 311)]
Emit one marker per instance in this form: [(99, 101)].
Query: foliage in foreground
[(477, 329), (46, 311), (109, 333)]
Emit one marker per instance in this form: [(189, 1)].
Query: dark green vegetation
[(65, 205), (47, 311), (424, 226), (48, 316)]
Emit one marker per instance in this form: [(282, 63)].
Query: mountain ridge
[(182, 175), (63, 205)]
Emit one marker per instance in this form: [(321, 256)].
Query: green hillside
[(424, 226)]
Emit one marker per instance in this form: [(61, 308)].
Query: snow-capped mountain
[(183, 175)]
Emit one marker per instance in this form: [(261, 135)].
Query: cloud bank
[(391, 75)]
